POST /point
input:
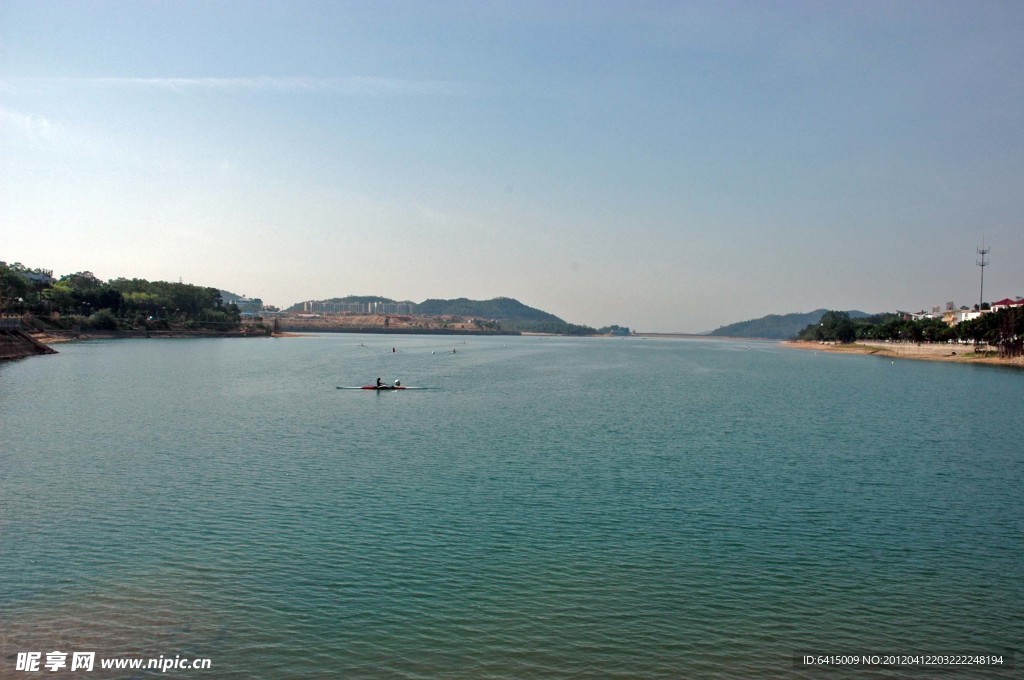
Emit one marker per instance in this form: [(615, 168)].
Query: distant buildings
[(918, 316), (41, 276), (952, 315), (246, 305), (393, 308), (329, 308), (1007, 303)]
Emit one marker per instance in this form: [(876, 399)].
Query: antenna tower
[(983, 251)]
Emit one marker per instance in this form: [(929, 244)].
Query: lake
[(549, 508)]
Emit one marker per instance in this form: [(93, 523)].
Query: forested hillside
[(775, 326)]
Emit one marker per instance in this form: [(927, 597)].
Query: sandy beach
[(963, 354)]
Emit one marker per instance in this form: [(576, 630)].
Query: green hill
[(356, 299), (501, 309), (776, 326), (509, 313)]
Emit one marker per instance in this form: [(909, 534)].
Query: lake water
[(550, 508)]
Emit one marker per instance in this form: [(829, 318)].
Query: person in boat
[(398, 383), (379, 383)]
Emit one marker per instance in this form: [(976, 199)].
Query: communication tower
[(983, 251)]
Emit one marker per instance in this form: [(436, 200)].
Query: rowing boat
[(382, 388)]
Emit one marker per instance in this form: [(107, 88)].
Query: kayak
[(382, 388)]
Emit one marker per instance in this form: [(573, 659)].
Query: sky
[(667, 166)]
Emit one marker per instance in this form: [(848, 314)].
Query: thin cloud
[(353, 85), (33, 127)]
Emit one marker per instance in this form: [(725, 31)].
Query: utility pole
[(983, 251)]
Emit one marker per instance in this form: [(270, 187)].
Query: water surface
[(552, 507)]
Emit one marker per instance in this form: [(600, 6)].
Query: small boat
[(382, 388)]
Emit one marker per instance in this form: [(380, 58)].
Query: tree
[(103, 319), (13, 285), (61, 296), (833, 327), (82, 281), (1011, 332)]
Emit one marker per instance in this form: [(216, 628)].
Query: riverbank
[(961, 354), (52, 337), (390, 324), (16, 344)]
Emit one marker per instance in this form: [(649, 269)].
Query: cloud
[(35, 128), (353, 85)]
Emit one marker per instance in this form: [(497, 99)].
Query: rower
[(398, 383), (379, 383)]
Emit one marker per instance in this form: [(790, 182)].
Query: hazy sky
[(669, 166)]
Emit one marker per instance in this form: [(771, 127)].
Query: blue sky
[(670, 166)]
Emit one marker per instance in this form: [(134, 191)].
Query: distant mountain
[(500, 309), (776, 326), (351, 299), (228, 295), (508, 312), (511, 314)]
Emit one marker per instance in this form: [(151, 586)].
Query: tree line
[(83, 300), (1003, 329)]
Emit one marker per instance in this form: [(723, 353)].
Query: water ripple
[(742, 508)]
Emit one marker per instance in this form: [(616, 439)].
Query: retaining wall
[(15, 344)]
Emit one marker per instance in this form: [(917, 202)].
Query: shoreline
[(957, 354), (61, 337), (390, 330), (17, 344)]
